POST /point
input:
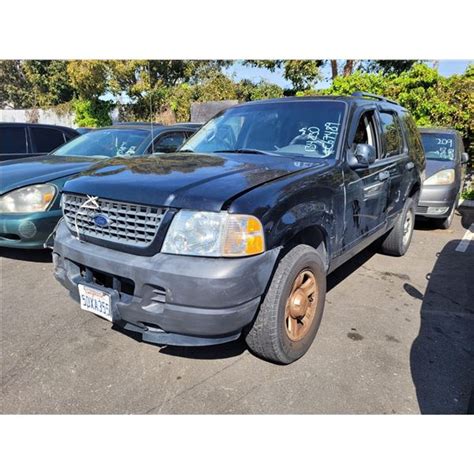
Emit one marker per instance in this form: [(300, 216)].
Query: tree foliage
[(165, 89), (34, 83), (431, 98), (303, 74)]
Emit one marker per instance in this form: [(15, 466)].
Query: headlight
[(214, 234), (441, 177), (36, 198)]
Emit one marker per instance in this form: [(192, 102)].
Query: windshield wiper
[(252, 151), (185, 150)]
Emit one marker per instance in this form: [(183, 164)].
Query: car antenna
[(151, 112)]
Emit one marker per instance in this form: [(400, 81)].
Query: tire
[(278, 334), (398, 239), (446, 223)]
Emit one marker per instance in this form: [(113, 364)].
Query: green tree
[(303, 74), (390, 66), (34, 83)]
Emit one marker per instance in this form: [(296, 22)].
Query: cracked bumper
[(169, 299)]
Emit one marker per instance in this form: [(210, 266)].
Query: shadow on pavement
[(442, 355), (348, 268), (36, 255), (220, 351), (466, 214)]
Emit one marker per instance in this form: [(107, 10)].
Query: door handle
[(409, 165), (383, 175)]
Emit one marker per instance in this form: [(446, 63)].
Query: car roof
[(43, 125), (147, 127), (437, 130), (358, 99)]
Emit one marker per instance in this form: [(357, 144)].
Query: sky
[(239, 71)]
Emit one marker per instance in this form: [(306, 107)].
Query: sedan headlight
[(441, 177), (214, 234), (36, 198)]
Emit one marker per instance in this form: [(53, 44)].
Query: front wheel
[(398, 239), (446, 223), (291, 312)]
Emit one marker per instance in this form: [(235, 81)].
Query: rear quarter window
[(46, 139), (13, 140)]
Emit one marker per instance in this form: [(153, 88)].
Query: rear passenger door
[(394, 158), (45, 139), (13, 143)]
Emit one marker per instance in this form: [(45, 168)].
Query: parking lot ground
[(397, 337)]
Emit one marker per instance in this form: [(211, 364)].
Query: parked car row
[(197, 238), (30, 188)]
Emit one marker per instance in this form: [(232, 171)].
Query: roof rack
[(373, 96)]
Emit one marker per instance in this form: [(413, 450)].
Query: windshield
[(105, 143), (439, 146), (308, 128)]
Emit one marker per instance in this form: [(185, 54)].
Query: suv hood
[(184, 180), (42, 169)]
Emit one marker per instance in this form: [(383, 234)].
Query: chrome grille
[(129, 224)]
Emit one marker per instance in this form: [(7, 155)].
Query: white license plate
[(95, 301)]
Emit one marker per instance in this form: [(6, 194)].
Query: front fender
[(297, 203)]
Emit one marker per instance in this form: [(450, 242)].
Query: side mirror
[(363, 156), (464, 158)]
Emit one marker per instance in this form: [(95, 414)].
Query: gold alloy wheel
[(301, 305)]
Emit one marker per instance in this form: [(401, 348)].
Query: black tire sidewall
[(409, 207)]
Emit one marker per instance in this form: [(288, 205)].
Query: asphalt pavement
[(397, 336)]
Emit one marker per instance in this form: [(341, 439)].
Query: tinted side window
[(13, 140), (366, 131), (46, 139), (392, 134), (413, 135), (170, 142)]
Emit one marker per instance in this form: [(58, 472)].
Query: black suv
[(236, 232), (20, 140)]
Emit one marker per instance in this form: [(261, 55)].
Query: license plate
[(95, 301)]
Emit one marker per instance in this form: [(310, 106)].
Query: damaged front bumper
[(168, 299)]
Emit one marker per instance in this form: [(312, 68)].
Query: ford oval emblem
[(101, 220)]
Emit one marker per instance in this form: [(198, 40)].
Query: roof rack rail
[(373, 96)]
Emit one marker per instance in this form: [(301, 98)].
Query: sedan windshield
[(105, 143), (439, 146), (306, 128)]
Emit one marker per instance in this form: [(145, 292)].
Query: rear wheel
[(398, 239), (291, 311)]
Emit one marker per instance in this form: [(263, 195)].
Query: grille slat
[(129, 224)]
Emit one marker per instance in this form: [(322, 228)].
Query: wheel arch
[(313, 235)]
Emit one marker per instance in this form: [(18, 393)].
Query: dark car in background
[(445, 160), (237, 232), (20, 140), (30, 188)]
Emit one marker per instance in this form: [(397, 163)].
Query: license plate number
[(95, 301)]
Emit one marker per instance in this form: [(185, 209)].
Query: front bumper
[(437, 201), (28, 231), (169, 299)]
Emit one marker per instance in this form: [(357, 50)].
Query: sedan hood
[(433, 166), (183, 180), (42, 169)]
